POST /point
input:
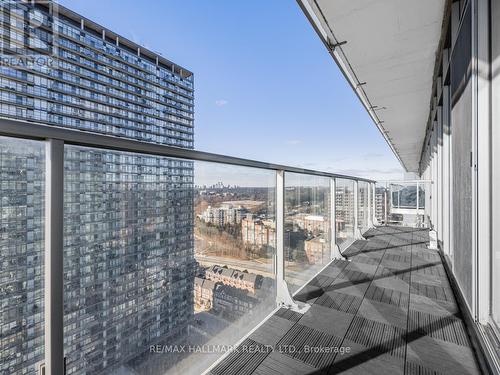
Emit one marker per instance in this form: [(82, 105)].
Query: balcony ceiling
[(388, 59)]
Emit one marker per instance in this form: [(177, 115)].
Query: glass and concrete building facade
[(128, 246)]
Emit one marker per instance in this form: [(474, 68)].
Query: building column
[(446, 165)]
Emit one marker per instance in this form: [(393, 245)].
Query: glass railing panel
[(403, 196), (344, 211), (22, 181), (128, 255), (162, 255), (307, 227), (235, 248)]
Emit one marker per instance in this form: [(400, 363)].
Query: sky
[(265, 86)]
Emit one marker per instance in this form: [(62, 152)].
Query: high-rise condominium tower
[(128, 218)]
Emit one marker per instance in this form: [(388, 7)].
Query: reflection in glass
[(307, 227), (22, 166), (128, 257)]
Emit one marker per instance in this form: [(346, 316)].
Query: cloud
[(221, 102), (363, 171), (372, 155), (293, 142), (380, 174)]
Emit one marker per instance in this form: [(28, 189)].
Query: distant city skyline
[(266, 88)]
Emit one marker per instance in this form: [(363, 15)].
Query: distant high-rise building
[(128, 219), (344, 200), (227, 214), (380, 204)]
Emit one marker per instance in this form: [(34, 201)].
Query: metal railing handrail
[(403, 182), (39, 131)]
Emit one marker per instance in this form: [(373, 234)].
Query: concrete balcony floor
[(391, 304)]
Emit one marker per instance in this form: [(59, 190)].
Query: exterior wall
[(495, 88), (128, 251), (461, 124), (466, 207), (452, 132)]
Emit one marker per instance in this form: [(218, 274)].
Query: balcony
[(284, 259)]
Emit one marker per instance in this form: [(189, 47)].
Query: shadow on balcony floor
[(390, 310)]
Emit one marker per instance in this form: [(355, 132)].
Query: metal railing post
[(418, 204), (357, 232), (334, 248), (356, 204), (374, 205), (280, 218), (53, 290), (385, 205), (369, 213), (283, 296)]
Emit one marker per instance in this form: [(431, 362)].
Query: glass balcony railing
[(307, 227), (164, 257)]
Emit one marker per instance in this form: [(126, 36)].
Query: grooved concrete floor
[(389, 310)]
